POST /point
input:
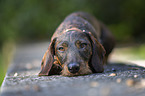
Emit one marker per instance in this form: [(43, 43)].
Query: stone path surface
[(118, 79)]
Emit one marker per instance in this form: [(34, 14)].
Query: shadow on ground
[(120, 67)]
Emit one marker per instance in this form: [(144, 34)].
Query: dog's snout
[(73, 67)]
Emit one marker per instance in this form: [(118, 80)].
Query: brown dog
[(80, 46)]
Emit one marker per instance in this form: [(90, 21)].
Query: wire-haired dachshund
[(79, 46)]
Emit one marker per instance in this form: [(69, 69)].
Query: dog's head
[(73, 53)]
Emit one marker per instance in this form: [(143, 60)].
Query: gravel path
[(118, 79)]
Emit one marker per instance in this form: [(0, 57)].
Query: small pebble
[(118, 80), (112, 74), (130, 82), (16, 74), (136, 84), (135, 76), (94, 84)]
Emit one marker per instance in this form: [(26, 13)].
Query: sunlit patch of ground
[(133, 54)]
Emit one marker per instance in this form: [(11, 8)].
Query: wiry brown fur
[(78, 26)]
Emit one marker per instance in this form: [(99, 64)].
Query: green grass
[(138, 52), (2, 74), (6, 56), (131, 53)]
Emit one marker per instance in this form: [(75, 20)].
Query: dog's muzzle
[(73, 67)]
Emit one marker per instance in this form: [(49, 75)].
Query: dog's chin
[(80, 73), (76, 74)]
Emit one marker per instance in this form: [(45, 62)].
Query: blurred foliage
[(137, 52), (25, 20), (37, 19), (133, 52), (5, 57), (2, 74)]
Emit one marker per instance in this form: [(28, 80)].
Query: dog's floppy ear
[(98, 55), (47, 66)]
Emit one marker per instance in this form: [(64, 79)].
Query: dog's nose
[(73, 67)]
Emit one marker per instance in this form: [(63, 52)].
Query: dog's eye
[(61, 49), (83, 45)]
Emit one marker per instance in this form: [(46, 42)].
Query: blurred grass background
[(36, 20)]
